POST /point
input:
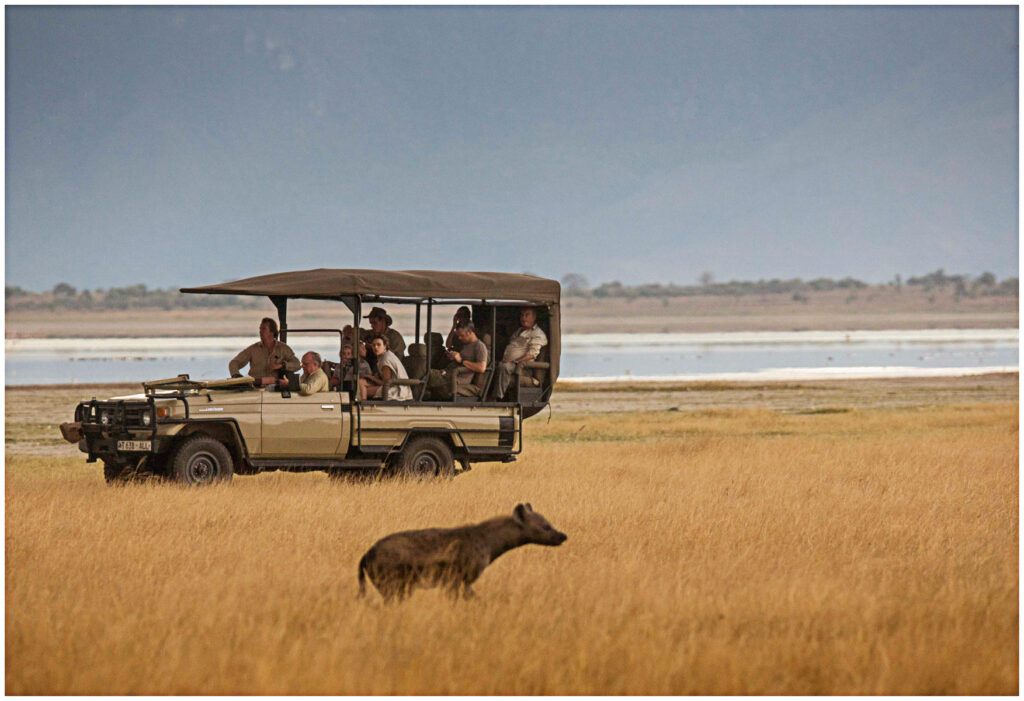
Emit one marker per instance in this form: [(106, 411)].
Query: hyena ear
[(529, 507), (519, 513)]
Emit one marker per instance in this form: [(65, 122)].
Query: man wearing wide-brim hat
[(380, 325)]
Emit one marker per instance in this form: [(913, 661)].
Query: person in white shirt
[(388, 367), (524, 345)]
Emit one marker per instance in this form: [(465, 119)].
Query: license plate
[(134, 445)]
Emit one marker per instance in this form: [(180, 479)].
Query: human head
[(466, 332), (463, 315), (379, 320), (346, 352), (379, 344), (527, 317), (268, 329), (310, 362)]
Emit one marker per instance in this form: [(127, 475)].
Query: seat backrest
[(435, 342), (416, 361), (540, 375), (329, 367), (480, 379)]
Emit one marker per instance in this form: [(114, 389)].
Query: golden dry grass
[(732, 551)]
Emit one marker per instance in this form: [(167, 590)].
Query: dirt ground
[(880, 307)]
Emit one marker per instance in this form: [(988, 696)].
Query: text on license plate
[(134, 445)]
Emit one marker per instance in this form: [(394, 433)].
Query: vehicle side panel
[(243, 407), (475, 427), (312, 426)]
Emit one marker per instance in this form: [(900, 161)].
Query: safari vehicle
[(203, 432)]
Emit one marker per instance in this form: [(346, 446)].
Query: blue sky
[(179, 146)]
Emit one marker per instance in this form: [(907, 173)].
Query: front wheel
[(426, 457), (201, 460)]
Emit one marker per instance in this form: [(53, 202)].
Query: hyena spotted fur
[(452, 558)]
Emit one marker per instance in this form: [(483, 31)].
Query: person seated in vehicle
[(313, 379), (389, 367), (462, 317), (267, 358), (523, 345), (463, 365), (345, 369), (380, 325)]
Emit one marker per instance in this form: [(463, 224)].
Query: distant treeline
[(986, 284), (65, 297)]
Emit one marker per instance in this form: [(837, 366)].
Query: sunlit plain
[(720, 551)]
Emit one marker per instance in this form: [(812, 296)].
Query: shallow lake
[(746, 355)]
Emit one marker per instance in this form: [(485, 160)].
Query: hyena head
[(536, 527)]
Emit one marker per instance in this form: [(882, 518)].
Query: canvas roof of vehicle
[(332, 283)]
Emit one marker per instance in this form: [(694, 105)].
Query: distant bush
[(1010, 287), (798, 289), (66, 297), (733, 288)]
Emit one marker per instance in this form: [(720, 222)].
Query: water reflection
[(46, 361)]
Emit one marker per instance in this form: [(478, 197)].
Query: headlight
[(146, 419), (104, 418)]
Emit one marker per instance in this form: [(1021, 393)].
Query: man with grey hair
[(313, 379), (525, 344)]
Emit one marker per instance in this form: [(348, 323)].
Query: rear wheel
[(201, 460), (426, 457)]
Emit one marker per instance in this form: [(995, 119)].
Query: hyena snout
[(538, 529), (550, 536)]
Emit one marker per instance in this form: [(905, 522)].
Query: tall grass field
[(720, 551)]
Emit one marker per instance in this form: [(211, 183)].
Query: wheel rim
[(202, 467), (426, 463)]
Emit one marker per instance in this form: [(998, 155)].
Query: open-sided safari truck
[(202, 432)]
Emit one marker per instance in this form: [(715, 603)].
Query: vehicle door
[(311, 426)]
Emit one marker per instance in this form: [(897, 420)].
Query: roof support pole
[(430, 350), (281, 303), (356, 341)]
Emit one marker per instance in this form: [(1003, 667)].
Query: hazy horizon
[(591, 283), (178, 146)]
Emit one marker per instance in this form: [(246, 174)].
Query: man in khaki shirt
[(265, 357), (313, 379), (525, 344)]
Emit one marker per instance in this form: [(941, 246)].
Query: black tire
[(426, 457), (201, 460)]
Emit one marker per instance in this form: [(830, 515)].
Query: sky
[(177, 146)]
